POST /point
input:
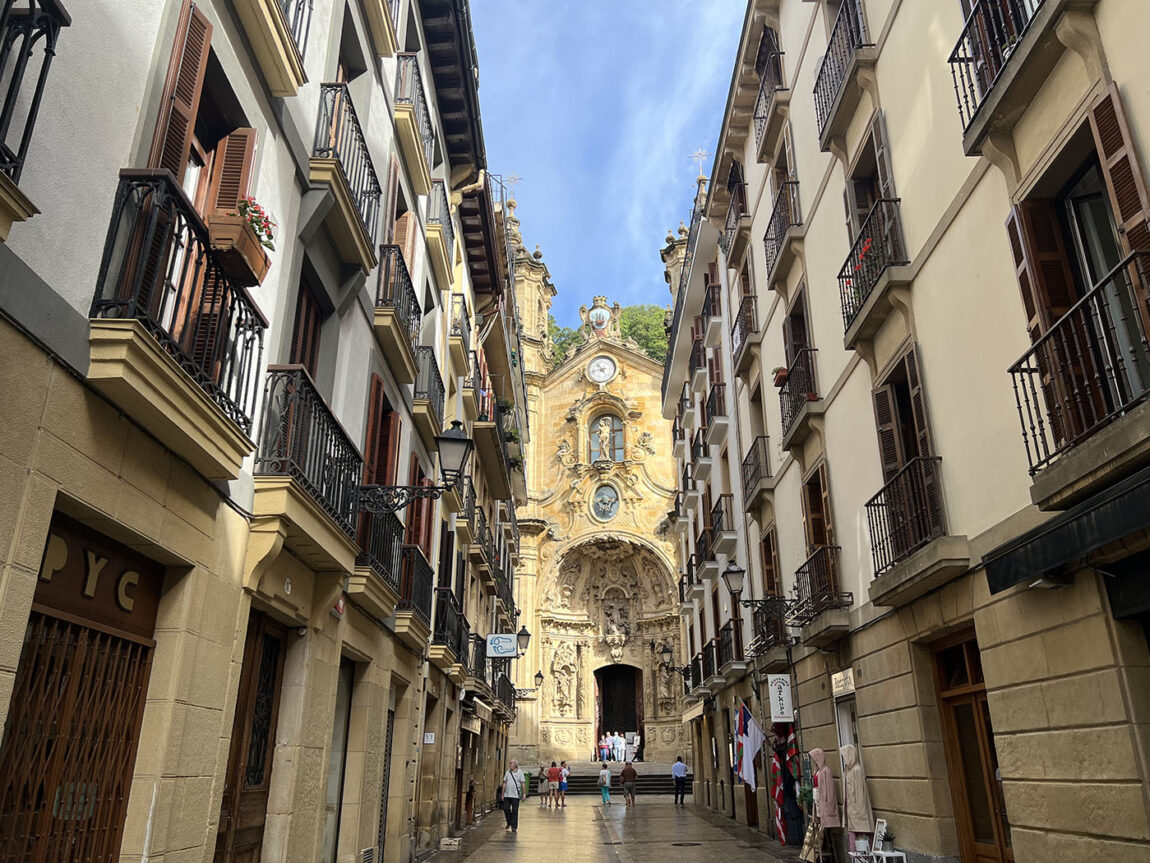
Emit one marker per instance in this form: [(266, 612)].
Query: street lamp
[(523, 637), (733, 577), (538, 679), (666, 655), (454, 451), (521, 694)]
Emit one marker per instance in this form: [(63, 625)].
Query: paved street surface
[(588, 832)]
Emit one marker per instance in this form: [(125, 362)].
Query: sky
[(598, 106)]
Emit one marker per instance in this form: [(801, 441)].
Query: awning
[(1121, 510), (693, 712), (482, 711)]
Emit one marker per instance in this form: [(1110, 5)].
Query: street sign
[(502, 645), (779, 694)]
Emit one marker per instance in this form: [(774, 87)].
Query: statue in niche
[(615, 617), (563, 673), (666, 690)]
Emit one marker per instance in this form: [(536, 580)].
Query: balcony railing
[(799, 387), (1090, 368), (686, 401), (460, 322), (159, 268), (711, 662), (698, 358), (768, 622), (716, 406), (817, 584), (878, 245), (339, 136), (847, 36), (439, 213), (677, 433), (730, 643), (428, 381), (301, 438), (381, 544), (394, 290), (906, 514), (37, 21), (685, 483), (993, 30), (469, 506), (770, 84), (704, 546), (736, 211), (699, 448), (463, 644), (723, 514), (475, 381), (415, 584), (756, 466), (298, 14), (448, 619), (697, 676), (785, 214), (713, 301), (744, 327), (505, 691), (409, 91), (477, 660)]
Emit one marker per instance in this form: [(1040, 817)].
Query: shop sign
[(502, 645), (94, 578), (429, 738), (843, 682), (779, 696), (470, 724)]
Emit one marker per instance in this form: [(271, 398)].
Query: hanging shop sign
[(779, 696), (502, 645), (470, 724), (843, 682)]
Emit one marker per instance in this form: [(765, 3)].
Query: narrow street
[(588, 832)]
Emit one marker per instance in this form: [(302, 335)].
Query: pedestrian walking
[(513, 788), (564, 772), (541, 784), (605, 784), (553, 776), (617, 746), (604, 748), (679, 772), (629, 776)]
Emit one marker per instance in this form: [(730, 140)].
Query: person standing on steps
[(553, 775), (541, 785), (629, 776), (679, 772), (605, 784), (564, 772), (514, 787)]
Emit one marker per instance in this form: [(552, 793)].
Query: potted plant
[(513, 435), (239, 240), (887, 839), (516, 462), (780, 373)]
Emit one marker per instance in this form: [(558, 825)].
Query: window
[(900, 416), (306, 330), (607, 438), (796, 336), (817, 525), (381, 451), (870, 179), (772, 583)]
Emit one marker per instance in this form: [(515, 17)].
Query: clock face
[(601, 369)]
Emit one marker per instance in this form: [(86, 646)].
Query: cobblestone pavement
[(653, 831)]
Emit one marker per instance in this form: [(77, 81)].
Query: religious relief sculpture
[(605, 502), (666, 690), (563, 673), (616, 622), (601, 322)]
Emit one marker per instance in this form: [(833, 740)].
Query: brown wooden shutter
[(707, 504), (691, 641), (1124, 179), (789, 350), (446, 555), (405, 236), (715, 611), (889, 441), (306, 330), (374, 455), (883, 170), (918, 404), (825, 504), (231, 171), (180, 101), (415, 510), (391, 202), (770, 554)]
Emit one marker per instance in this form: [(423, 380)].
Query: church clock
[(601, 369)]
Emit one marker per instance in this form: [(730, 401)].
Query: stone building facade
[(597, 586), (933, 416)]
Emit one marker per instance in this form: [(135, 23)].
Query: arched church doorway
[(619, 700)]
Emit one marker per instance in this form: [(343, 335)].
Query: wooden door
[(968, 739), (244, 809)]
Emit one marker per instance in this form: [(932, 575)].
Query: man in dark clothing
[(629, 776), (679, 772)]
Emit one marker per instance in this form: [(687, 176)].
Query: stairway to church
[(654, 777)]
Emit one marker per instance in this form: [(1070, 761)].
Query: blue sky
[(598, 106)]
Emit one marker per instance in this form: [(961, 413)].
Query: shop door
[(245, 803), (968, 737)]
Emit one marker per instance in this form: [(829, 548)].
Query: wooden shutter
[(691, 641), (306, 330), (405, 236), (715, 613), (180, 101), (446, 555), (825, 504), (231, 171), (715, 366), (789, 350), (889, 441), (770, 559), (883, 170), (375, 454), (414, 510), (917, 403), (1124, 179), (391, 202), (707, 504)]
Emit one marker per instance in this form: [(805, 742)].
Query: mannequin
[(858, 817), (826, 799)]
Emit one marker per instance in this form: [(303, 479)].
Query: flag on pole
[(749, 740), (793, 752), (777, 794)]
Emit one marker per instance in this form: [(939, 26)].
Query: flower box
[(781, 377), (238, 249)]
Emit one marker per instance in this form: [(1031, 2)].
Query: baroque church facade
[(598, 582)]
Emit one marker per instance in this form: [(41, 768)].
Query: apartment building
[(908, 373), (241, 608)]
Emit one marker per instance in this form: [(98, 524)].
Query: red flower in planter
[(260, 222)]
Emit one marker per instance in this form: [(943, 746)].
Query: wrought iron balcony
[(715, 413), (799, 388), (730, 643), (1090, 368), (158, 268), (448, 620), (746, 325), (906, 514), (505, 692), (415, 583), (877, 247), (301, 438), (689, 489), (36, 21), (704, 552), (440, 232), (697, 668), (413, 121), (723, 525), (697, 365), (756, 470), (687, 410), (397, 313), (298, 15), (463, 646), (847, 38), (772, 98), (713, 315), (817, 586), (701, 456), (381, 546), (460, 321), (993, 30), (338, 135), (711, 663), (738, 214), (785, 216), (428, 395), (678, 438), (769, 626)]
